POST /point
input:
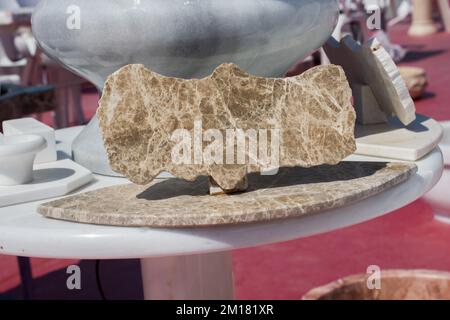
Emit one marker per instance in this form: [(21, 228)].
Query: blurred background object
[(423, 23), (415, 79), (30, 82), (393, 285)]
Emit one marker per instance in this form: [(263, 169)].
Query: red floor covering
[(408, 238)]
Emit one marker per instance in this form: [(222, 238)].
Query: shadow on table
[(427, 95), (120, 279), (413, 56), (51, 175), (286, 177), (393, 124)]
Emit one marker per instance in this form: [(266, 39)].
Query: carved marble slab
[(294, 192), (147, 118), (371, 65)]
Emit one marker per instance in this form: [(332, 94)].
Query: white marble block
[(368, 110), (33, 126), (49, 180)]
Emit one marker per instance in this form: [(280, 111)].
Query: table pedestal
[(195, 277)]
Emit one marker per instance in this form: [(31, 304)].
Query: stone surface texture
[(140, 110), (370, 64), (396, 285), (294, 192)]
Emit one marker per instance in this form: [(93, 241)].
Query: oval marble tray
[(176, 203)]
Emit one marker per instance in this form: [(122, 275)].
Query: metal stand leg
[(26, 277)]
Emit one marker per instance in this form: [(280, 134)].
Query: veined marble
[(306, 121), (295, 192), (179, 38)]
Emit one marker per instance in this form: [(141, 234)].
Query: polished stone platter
[(177, 203), (395, 141)]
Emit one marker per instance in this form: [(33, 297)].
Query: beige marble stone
[(294, 192), (141, 110)]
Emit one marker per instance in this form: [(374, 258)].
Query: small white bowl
[(17, 154), (439, 196)]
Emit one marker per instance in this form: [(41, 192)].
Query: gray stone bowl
[(180, 38)]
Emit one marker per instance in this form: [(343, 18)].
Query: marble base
[(294, 192), (395, 141), (50, 180), (438, 197)]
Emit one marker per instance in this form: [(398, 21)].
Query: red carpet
[(407, 239), (433, 54)]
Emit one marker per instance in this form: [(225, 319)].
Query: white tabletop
[(24, 232)]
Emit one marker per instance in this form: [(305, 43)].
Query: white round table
[(188, 263)]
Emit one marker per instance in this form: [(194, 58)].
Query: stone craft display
[(17, 154), (316, 122), (378, 87), (177, 38), (395, 141), (175, 100), (33, 126), (387, 124), (47, 180), (226, 125), (293, 193)]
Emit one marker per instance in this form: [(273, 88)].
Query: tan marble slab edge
[(177, 203)]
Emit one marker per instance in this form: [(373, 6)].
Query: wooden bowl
[(395, 285), (416, 80)]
